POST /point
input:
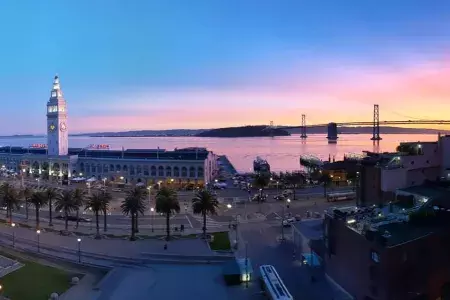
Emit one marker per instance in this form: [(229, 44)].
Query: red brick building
[(389, 253)]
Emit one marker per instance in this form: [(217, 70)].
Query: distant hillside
[(245, 131), (145, 133), (368, 130)]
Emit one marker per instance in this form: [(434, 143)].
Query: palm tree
[(133, 205), (167, 203), (51, 194), (79, 196), (204, 203), (106, 198), (10, 198), (38, 200), (95, 203), (261, 181), (27, 192), (66, 202)]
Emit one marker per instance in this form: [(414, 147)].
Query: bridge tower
[(303, 128), (376, 123), (271, 127)]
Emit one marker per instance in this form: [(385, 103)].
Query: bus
[(341, 196), (273, 285)]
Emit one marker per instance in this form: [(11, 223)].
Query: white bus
[(342, 196), (273, 285)]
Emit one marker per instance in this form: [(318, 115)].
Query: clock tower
[(57, 134)]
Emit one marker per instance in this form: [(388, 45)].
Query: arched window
[(105, 168), (192, 172), (125, 168), (111, 168), (138, 170), (118, 168), (146, 170), (183, 172), (131, 170), (168, 171), (200, 172), (153, 171), (93, 169), (160, 171), (176, 172)]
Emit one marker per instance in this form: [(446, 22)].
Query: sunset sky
[(162, 64)]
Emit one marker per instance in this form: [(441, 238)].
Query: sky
[(166, 64)]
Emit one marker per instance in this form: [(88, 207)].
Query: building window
[(176, 172), (161, 171), (375, 257), (200, 172), (153, 171), (192, 172), (169, 171), (183, 172)]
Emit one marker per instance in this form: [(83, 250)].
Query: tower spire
[(56, 89)]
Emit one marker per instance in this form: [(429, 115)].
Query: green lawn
[(221, 241), (34, 282)]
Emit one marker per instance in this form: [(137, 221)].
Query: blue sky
[(148, 63)]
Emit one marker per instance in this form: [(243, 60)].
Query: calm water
[(281, 152)]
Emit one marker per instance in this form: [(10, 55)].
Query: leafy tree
[(95, 202), (38, 200), (134, 204), (66, 202), (51, 194), (261, 181), (79, 197), (10, 198), (167, 203), (325, 179), (204, 203)]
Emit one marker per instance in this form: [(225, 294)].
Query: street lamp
[(278, 192), (39, 182), (149, 188), (38, 233), (13, 234), (153, 216), (23, 172), (79, 250), (104, 182)]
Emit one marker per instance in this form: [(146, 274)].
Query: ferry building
[(56, 161)]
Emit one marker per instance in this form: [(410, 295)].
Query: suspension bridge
[(375, 123)]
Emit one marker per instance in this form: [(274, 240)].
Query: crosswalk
[(209, 221)]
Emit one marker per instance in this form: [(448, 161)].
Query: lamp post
[(39, 182), (153, 216), (246, 265), (38, 233), (79, 250), (149, 188), (278, 192), (104, 181), (23, 172), (13, 235), (92, 216)]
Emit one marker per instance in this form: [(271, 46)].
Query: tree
[(106, 198), (79, 197), (66, 202), (167, 203), (204, 203), (261, 181), (325, 178), (38, 200), (50, 194), (95, 202), (10, 198), (133, 205), (27, 193)]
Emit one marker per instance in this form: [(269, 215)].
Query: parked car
[(279, 197), (288, 222), (117, 190)]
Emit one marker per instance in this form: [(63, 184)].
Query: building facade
[(55, 160)]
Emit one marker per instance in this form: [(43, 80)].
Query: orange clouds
[(348, 93)]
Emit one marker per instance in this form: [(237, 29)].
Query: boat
[(261, 165)]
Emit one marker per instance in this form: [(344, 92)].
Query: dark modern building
[(395, 252)]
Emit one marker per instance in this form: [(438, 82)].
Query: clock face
[(62, 126), (52, 127)]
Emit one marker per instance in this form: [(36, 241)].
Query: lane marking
[(189, 221)]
